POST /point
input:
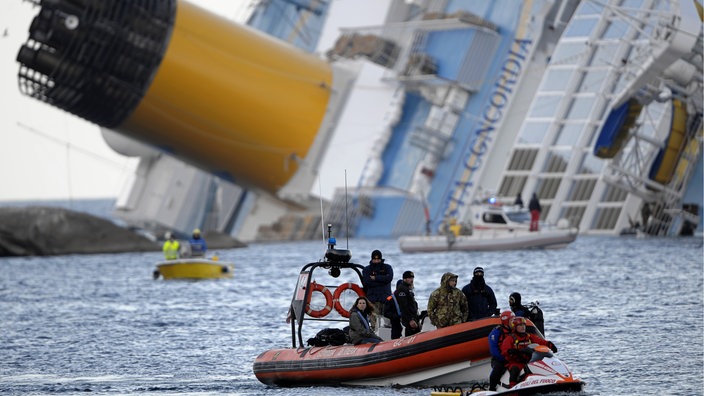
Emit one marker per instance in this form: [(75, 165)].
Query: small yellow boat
[(194, 268)]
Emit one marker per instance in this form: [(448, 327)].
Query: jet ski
[(545, 373)]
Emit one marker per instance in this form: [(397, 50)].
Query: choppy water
[(626, 313)]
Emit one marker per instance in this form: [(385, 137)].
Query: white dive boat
[(494, 227), (194, 268)]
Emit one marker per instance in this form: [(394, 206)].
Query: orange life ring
[(338, 292), (317, 287)]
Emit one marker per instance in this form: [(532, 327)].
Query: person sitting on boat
[(496, 338), (361, 331), (514, 348), (480, 297), (447, 304), (514, 301), (518, 201), (535, 209), (376, 279), (171, 247), (198, 245), (406, 298)]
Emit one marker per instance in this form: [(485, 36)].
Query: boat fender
[(317, 287), (338, 292)]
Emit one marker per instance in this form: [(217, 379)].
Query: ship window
[(613, 194), (572, 213), (556, 79), (616, 30), (556, 161), (494, 218), (589, 8), (605, 55), (512, 185), (593, 80), (568, 134), (546, 187), (605, 218), (533, 132), (523, 159), (581, 190), (545, 106), (568, 53), (581, 27), (580, 108), (591, 165)]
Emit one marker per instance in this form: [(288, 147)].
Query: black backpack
[(535, 314), (391, 308), (325, 337)]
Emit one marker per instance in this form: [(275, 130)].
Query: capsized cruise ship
[(595, 106)]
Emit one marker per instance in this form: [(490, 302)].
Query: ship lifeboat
[(615, 130), (666, 161)]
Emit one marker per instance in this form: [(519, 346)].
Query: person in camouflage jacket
[(447, 305)]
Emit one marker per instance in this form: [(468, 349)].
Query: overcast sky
[(46, 153)]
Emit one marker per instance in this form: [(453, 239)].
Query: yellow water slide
[(220, 95)]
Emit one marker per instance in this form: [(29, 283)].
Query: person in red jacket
[(513, 348)]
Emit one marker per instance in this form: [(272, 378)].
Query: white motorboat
[(494, 227)]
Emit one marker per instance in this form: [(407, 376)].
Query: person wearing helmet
[(496, 337), (171, 247), (514, 346), (198, 245)]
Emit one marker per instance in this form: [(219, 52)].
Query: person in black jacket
[(480, 297), (376, 279), (407, 304), (535, 209)]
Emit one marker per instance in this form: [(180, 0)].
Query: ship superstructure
[(435, 105)]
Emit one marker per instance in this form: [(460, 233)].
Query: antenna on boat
[(322, 214), (347, 222)]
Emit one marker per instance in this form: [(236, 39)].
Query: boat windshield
[(519, 217)]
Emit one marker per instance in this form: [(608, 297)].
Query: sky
[(49, 154)]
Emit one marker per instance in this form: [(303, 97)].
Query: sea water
[(625, 313)]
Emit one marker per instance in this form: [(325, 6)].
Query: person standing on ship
[(376, 279), (480, 297), (535, 209), (447, 304), (406, 298)]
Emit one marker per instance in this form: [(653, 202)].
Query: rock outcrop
[(46, 231)]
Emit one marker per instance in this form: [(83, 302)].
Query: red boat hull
[(431, 350)]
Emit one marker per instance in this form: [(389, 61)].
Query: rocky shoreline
[(48, 231)]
